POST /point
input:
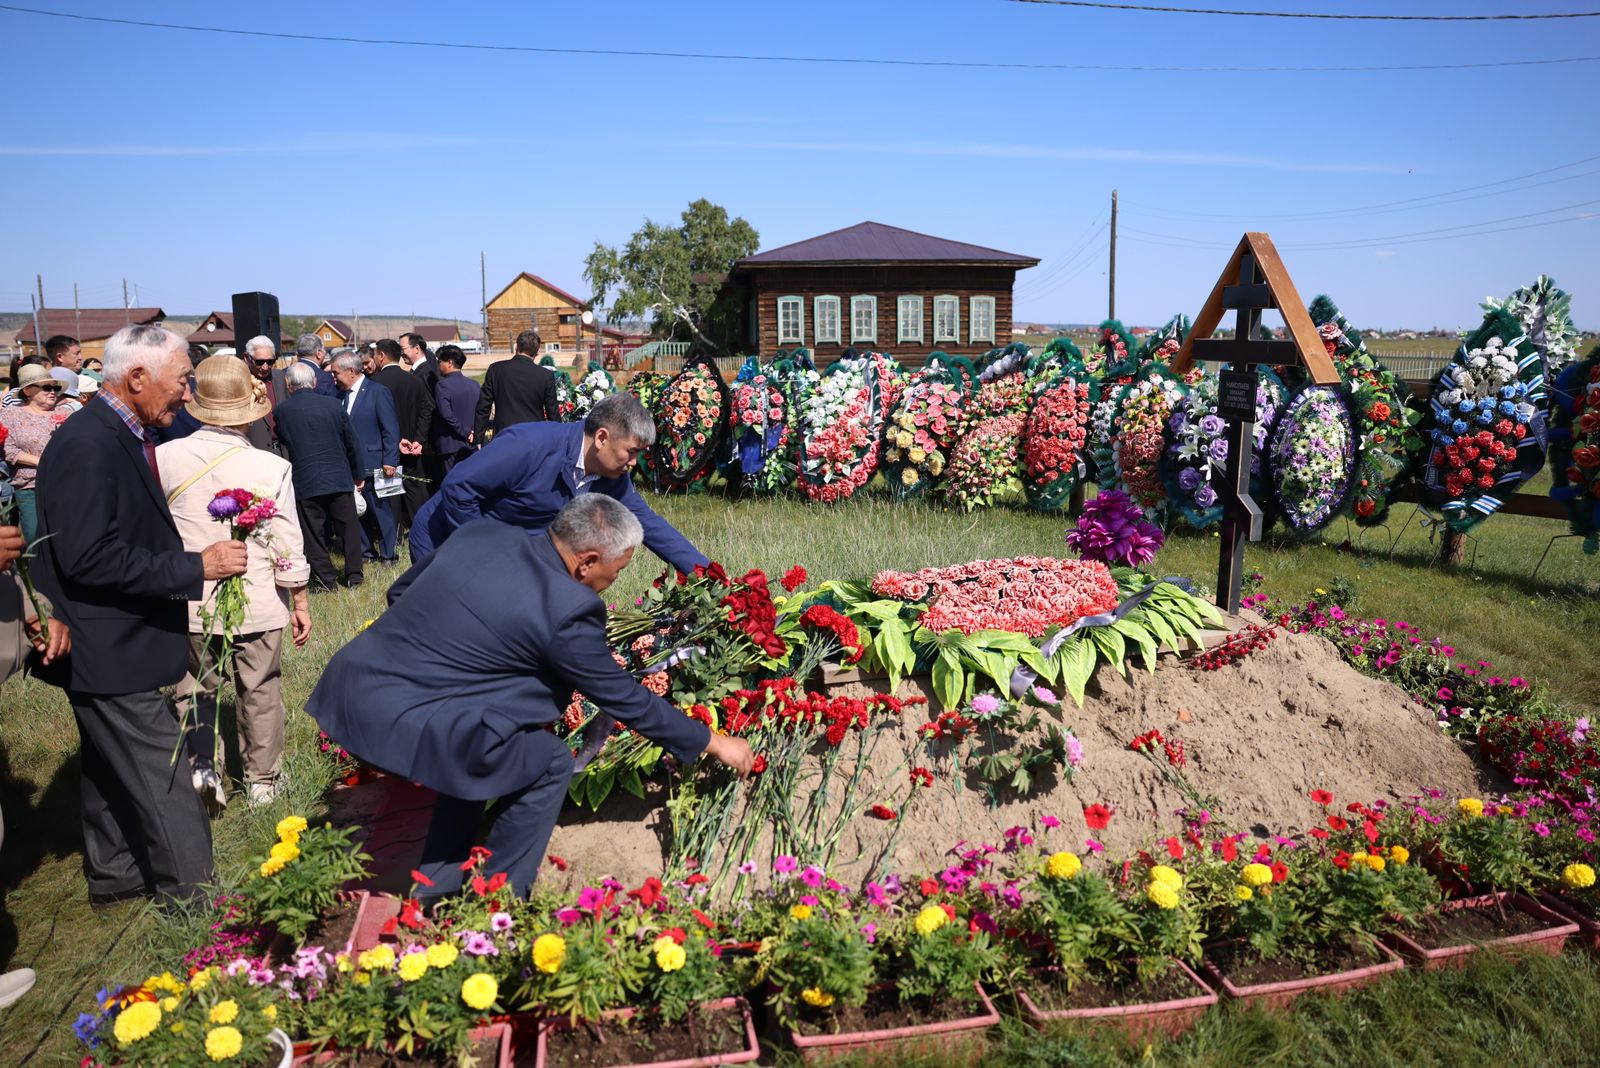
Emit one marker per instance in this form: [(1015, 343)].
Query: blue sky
[(345, 176)]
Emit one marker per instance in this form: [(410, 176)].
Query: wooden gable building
[(92, 327), (878, 287), (531, 303)]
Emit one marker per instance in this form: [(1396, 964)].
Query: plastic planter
[(1280, 994), (751, 1050), (1549, 940), (1171, 1017), (281, 949), (1588, 930), (500, 1032), (894, 1044)]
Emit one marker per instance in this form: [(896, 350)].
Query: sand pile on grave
[(1257, 736)]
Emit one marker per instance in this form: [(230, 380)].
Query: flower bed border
[(1280, 994), (502, 1031), (751, 1052), (1171, 1017), (935, 1036), (1588, 929), (1549, 941)]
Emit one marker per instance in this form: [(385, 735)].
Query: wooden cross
[(1253, 281)]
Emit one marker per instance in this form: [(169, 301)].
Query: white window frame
[(973, 319), (953, 302), (857, 302), (798, 335), (908, 327), (833, 337)]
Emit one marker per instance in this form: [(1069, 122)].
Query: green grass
[(1542, 630)]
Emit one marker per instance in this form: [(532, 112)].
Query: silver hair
[(139, 346), (349, 361), (298, 376), (308, 345), (623, 415), (260, 341), (594, 522)]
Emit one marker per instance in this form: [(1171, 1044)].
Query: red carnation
[(883, 812), (794, 578), (648, 892), (559, 862)]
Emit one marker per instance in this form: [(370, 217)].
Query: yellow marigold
[(270, 1011), (343, 962), (479, 990), (1470, 807), (1166, 876), (137, 1021), (1063, 865), (363, 978), (1577, 876), (800, 912), (284, 851), (1243, 892), (199, 979), (1505, 810), (670, 957), (1375, 862), (413, 966), (169, 1004), (1255, 875), (289, 828), (270, 867), (549, 950), (815, 995), (177, 1027), (223, 1043), (930, 919), (165, 981), (224, 1012), (1358, 858), (442, 955), (1399, 854), (1162, 895), (377, 959)]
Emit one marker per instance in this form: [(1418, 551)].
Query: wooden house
[(217, 329), (878, 287), (91, 326), (334, 333), (531, 303), (436, 334)]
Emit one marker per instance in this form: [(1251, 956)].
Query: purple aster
[(985, 703), (222, 507)]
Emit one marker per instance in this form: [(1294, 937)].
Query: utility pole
[(39, 280), (125, 316), (77, 314), (356, 327), (1111, 299), (483, 299), (38, 338)]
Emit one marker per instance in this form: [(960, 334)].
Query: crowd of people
[(115, 502)]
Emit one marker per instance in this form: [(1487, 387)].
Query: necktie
[(150, 458)]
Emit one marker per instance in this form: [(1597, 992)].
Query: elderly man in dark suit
[(517, 390), (318, 438), (261, 356), (117, 573), (371, 411), (413, 407), (310, 351), (464, 710), (455, 407), (528, 473)]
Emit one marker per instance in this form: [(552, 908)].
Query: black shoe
[(116, 897), (352, 581)]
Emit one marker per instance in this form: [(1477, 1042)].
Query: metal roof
[(88, 324), (873, 242)]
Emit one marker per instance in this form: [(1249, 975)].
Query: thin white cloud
[(359, 141), (1385, 254), (981, 150)]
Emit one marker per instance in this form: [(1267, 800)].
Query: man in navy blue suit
[(371, 411), (464, 710), (310, 351), (528, 472)]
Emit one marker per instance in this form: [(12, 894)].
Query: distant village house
[(91, 326)]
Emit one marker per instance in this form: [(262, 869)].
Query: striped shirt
[(124, 412)]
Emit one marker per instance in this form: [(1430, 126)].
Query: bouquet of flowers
[(1113, 530), (1575, 447), (1196, 459), (1060, 356), (1053, 437), (1024, 595), (691, 424), (1004, 393), (595, 385), (1386, 418), (648, 387), (841, 429), (984, 462), (1162, 346), (1486, 422), (566, 392), (1144, 408), (1545, 315), (760, 422), (1311, 458), (920, 433), (1114, 355)]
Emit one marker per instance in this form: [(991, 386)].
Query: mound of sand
[(1257, 737)]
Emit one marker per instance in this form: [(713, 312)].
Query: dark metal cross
[(1236, 404)]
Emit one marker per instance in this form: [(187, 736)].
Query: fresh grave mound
[(1256, 736)]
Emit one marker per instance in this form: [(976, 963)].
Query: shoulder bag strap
[(198, 475)]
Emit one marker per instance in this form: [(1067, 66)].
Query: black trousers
[(409, 503), (143, 823), (317, 514)]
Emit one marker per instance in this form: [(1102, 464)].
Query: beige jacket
[(13, 637), (261, 472)]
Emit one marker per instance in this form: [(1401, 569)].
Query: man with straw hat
[(215, 458)]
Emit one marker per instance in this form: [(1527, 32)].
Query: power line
[(1154, 9), (1381, 208), (759, 58), (1414, 238), (1083, 244)]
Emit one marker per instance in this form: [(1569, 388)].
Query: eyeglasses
[(51, 389), (263, 363)]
